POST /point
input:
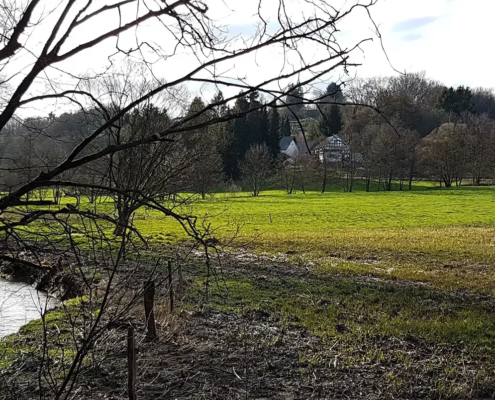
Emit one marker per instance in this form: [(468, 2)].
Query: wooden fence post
[(131, 364), (170, 287), (149, 305), (179, 273)]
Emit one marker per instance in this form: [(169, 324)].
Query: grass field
[(442, 236), (398, 287), (418, 267)]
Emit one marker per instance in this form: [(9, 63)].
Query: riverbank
[(26, 293), (274, 329), (367, 310)]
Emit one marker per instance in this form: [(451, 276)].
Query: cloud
[(244, 30), (413, 23), (411, 37), (248, 30)]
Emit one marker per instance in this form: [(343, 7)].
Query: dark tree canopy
[(285, 129), (294, 98), (456, 101), (334, 93), (331, 122), (273, 138)]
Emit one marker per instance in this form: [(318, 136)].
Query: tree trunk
[(92, 195), (351, 182), (379, 178), (324, 183), (292, 179), (124, 214), (411, 173), (289, 184)]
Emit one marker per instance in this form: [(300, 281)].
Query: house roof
[(285, 142), (301, 146), (331, 140)]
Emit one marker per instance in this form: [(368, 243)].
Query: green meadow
[(402, 282), (418, 233), (441, 236), (365, 269)]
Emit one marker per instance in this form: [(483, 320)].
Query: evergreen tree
[(456, 101), (273, 137), (294, 97), (331, 122), (336, 121), (230, 154), (285, 127), (238, 133), (334, 93), (197, 110), (222, 109), (253, 121), (254, 129), (264, 125), (275, 123)]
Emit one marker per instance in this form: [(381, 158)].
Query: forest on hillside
[(397, 128)]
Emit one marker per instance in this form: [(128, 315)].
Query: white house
[(334, 149), (288, 146)]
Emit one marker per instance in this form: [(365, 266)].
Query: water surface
[(19, 304)]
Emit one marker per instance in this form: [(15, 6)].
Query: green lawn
[(315, 212), (387, 280), (443, 236)]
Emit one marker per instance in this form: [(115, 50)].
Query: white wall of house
[(332, 149), (292, 150)]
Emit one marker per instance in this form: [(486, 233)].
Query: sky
[(448, 39)]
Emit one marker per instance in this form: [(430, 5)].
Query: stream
[(19, 304)]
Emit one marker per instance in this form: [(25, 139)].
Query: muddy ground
[(206, 353)]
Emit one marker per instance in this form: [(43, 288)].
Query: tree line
[(397, 129), (394, 128)]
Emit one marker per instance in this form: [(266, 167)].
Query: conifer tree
[(273, 137), (239, 140), (285, 127), (331, 122)]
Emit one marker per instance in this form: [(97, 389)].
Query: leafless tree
[(121, 131), (444, 154), (256, 167), (410, 99), (366, 145), (324, 171), (480, 146), (203, 149), (307, 166), (287, 168)]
